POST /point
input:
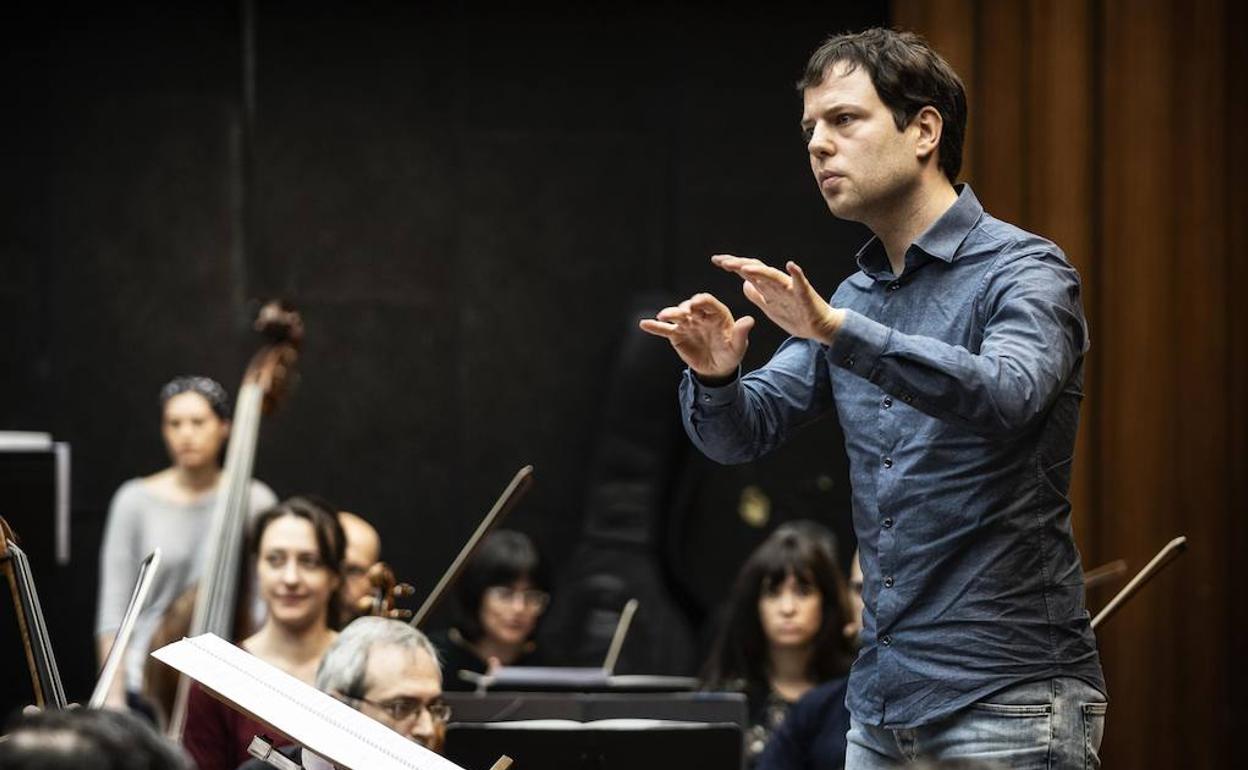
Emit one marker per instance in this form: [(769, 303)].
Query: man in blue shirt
[(954, 361)]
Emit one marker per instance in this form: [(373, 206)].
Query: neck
[(196, 480), (789, 671), (907, 217), (507, 654), (293, 646)]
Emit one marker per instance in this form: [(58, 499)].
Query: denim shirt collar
[(940, 241)]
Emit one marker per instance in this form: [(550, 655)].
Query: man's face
[(861, 162), (408, 683), (363, 550)]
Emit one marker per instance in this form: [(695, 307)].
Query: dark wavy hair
[(739, 657), (330, 539), (505, 556), (86, 739), (908, 75)]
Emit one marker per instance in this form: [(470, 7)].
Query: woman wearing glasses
[(498, 602), (298, 547)]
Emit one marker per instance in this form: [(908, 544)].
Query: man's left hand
[(787, 298)]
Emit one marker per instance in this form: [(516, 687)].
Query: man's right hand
[(704, 335)]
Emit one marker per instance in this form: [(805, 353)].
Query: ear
[(929, 126)]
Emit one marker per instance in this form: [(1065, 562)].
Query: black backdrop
[(464, 204)]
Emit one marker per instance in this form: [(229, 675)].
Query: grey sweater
[(139, 522)]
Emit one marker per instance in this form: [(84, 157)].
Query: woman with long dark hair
[(298, 549), (783, 632), (498, 602)]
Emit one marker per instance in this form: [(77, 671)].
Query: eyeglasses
[(403, 709), (532, 598)]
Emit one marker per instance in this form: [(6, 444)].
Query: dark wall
[(465, 207)]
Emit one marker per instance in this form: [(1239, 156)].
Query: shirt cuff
[(858, 344), (713, 395)]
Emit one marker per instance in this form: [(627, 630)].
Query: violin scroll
[(382, 600)]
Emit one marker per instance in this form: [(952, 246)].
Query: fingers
[(741, 332), (657, 328), (754, 295), (700, 311), (764, 276)]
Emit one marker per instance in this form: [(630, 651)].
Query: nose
[(422, 728), (290, 572), (788, 603), (821, 143)]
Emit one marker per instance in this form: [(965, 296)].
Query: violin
[(219, 603), (44, 675), (383, 597)]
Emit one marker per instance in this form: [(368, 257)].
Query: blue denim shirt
[(957, 387)]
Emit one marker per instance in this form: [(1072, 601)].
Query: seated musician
[(298, 548), (363, 551), (86, 739), (389, 671), (498, 601), (784, 633), (171, 510), (812, 736)]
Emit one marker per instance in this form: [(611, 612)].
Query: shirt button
[(888, 462), (888, 401), (907, 397), (888, 582), (849, 361), (894, 286), (886, 640), (706, 397), (888, 522)]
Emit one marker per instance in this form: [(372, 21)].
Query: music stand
[(604, 745)]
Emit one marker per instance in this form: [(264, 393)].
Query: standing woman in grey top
[(169, 509)]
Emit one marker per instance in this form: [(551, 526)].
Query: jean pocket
[(1013, 709), (1016, 734), (1093, 731)]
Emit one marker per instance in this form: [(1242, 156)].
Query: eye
[(275, 558), (309, 561), (844, 119), (808, 133)]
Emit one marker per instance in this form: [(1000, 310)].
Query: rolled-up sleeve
[(1033, 336), (752, 415)]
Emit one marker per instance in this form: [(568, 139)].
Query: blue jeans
[(1054, 723)]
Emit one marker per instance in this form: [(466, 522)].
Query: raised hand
[(787, 298), (704, 335)]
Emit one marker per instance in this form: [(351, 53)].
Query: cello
[(218, 603)]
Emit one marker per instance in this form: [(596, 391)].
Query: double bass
[(219, 602), (44, 676)]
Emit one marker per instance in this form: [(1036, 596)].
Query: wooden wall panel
[(1107, 126), (1060, 184)]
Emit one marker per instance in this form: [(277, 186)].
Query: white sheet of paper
[(313, 719)]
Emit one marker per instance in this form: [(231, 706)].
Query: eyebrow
[(838, 107)]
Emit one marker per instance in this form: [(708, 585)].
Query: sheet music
[(317, 721)]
